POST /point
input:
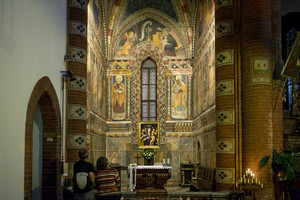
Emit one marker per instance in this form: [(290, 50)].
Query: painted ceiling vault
[(135, 23)]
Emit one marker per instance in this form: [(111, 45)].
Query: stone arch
[(44, 96), (149, 51)]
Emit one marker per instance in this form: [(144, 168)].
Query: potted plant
[(68, 184), (286, 167), (148, 154)]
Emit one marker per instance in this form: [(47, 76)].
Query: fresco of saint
[(179, 100), (118, 99)]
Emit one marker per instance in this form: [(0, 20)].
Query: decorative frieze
[(225, 175), (225, 117), (225, 146), (224, 28), (225, 87), (82, 4), (78, 84), (78, 28), (77, 141), (225, 57), (222, 3), (77, 112), (78, 54)]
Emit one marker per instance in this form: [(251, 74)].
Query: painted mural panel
[(149, 31), (205, 16), (118, 97), (179, 97), (204, 86)]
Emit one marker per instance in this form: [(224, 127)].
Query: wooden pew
[(205, 179)]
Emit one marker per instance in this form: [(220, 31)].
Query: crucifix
[(137, 158)]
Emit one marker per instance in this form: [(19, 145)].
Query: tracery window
[(148, 80), (292, 85)]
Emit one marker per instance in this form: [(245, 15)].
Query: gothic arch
[(44, 96), (149, 51)]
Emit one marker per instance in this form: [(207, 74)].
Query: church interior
[(204, 84)]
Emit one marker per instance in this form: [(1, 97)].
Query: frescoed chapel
[(204, 84)]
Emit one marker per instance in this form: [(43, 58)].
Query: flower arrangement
[(148, 153)]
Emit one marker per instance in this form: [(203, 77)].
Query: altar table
[(149, 180)]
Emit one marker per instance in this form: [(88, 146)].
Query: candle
[(168, 161), (248, 180), (252, 181), (262, 186), (258, 182), (241, 180), (244, 176), (164, 161)]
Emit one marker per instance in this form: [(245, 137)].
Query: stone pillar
[(257, 92), (227, 95), (76, 130)]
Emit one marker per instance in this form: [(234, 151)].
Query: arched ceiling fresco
[(165, 6), (132, 23)]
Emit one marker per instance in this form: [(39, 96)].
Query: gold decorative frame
[(149, 134)]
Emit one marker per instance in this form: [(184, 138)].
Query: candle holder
[(249, 184)]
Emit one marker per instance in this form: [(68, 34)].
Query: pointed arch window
[(148, 80)]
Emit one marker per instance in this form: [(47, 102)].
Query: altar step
[(174, 195)]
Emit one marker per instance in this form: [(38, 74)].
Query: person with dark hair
[(107, 181), (83, 177)]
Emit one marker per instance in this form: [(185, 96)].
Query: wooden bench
[(205, 179)]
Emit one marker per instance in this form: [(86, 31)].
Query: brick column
[(76, 130), (227, 98), (257, 101)]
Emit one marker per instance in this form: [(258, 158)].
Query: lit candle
[(262, 186), (252, 180)]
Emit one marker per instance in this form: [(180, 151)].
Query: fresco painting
[(149, 31), (179, 97), (165, 6), (118, 98), (206, 15)]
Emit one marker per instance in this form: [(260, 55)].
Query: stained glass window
[(148, 90)]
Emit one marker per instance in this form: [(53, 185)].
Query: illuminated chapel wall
[(131, 45), (204, 84), (96, 81)]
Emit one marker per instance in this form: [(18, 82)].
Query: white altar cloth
[(134, 168)]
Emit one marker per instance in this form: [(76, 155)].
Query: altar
[(149, 180)]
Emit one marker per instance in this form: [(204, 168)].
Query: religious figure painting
[(179, 97), (149, 31), (118, 98), (149, 134)]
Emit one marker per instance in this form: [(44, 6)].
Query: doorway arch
[(44, 97)]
